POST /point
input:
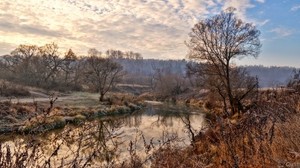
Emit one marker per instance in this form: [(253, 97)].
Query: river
[(110, 141)]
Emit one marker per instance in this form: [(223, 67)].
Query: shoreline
[(38, 117)]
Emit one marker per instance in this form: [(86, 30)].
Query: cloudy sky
[(155, 28)]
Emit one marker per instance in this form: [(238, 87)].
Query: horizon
[(156, 29)]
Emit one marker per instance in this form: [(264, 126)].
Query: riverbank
[(112, 141), (266, 135), (31, 116)]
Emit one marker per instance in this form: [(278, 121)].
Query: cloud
[(282, 32), (262, 23), (261, 1), (9, 26), (240, 5), (295, 8), (157, 29), (5, 47)]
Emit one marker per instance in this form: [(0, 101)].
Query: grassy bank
[(37, 117)]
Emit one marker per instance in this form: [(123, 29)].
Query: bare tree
[(217, 41), (114, 54), (68, 65), (133, 55), (25, 52), (166, 83), (94, 52), (51, 61), (34, 65), (19, 62), (101, 73)]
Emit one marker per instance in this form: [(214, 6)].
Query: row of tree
[(43, 66)]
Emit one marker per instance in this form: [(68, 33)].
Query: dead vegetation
[(8, 89), (267, 135), (97, 146), (36, 117)]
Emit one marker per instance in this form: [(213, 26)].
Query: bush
[(8, 89)]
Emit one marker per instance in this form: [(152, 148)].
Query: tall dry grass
[(267, 135)]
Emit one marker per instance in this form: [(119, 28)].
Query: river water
[(113, 140)]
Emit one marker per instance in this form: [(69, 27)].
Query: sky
[(154, 28)]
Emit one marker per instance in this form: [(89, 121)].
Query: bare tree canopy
[(51, 61), (223, 37), (101, 73), (25, 52), (217, 41), (117, 54)]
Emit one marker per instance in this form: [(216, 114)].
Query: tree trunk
[(229, 91), (101, 98)]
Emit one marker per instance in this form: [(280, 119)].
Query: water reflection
[(109, 141)]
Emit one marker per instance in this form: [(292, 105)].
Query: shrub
[(8, 89)]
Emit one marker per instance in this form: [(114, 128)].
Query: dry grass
[(267, 135), (13, 115), (286, 144), (39, 117), (8, 89)]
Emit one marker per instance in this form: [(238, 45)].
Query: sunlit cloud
[(240, 5), (157, 29)]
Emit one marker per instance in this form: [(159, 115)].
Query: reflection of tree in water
[(98, 143), (94, 143), (186, 119), (133, 120), (166, 115)]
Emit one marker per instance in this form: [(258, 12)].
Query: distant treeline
[(268, 76), (273, 76), (45, 67)]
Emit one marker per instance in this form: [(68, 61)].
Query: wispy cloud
[(261, 1), (240, 5), (282, 32), (262, 23), (154, 28), (295, 8)]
